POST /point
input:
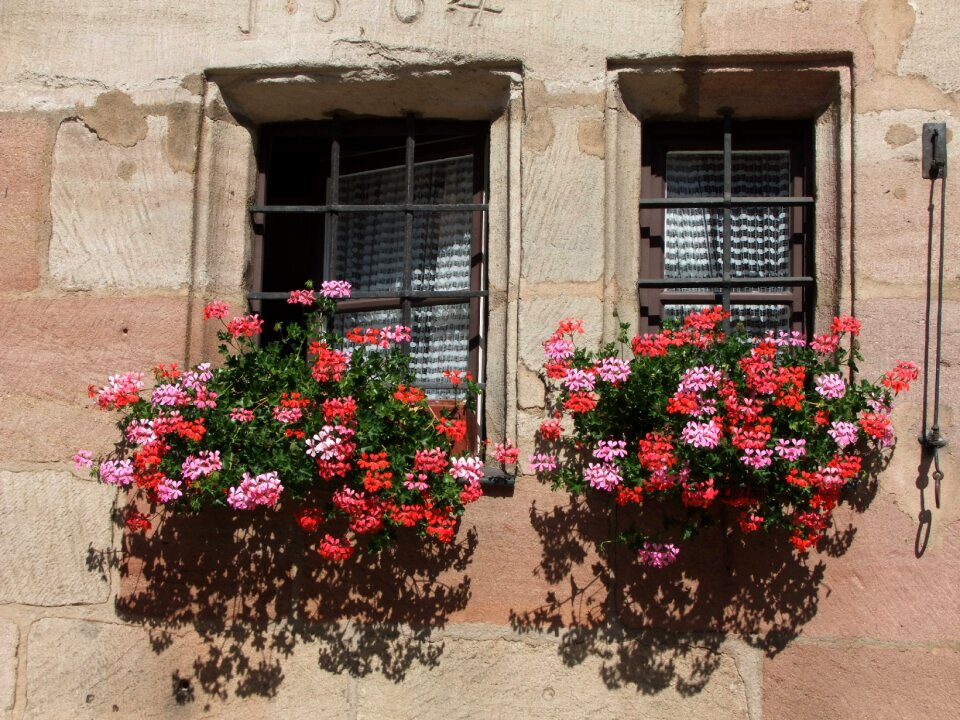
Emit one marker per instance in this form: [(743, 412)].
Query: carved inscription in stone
[(326, 10), (247, 12), (408, 11), (478, 7)]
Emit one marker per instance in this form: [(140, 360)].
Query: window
[(726, 217), (396, 207)]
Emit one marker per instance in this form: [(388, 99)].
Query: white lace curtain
[(369, 253), (760, 236)]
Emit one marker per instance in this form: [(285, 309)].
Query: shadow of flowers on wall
[(656, 628), (253, 592)]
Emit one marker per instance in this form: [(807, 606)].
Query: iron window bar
[(331, 219), (710, 298), (728, 202), (803, 281), (443, 385), (732, 203), (394, 207), (451, 295)]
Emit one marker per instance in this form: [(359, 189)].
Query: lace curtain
[(760, 236), (369, 253), (693, 238)]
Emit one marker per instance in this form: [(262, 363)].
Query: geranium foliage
[(332, 426), (694, 418)]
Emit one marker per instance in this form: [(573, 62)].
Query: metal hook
[(937, 477)]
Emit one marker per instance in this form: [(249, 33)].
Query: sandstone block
[(225, 184), (219, 567), (64, 49), (527, 679), (536, 562), (112, 670), (530, 389), (893, 330), (892, 199), (541, 310), (122, 216), (563, 200), (57, 347), (810, 682), (729, 26), (493, 573), (9, 641), (51, 527), (25, 146), (879, 589), (931, 43), (50, 431)]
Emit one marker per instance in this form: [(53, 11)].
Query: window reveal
[(725, 219), (396, 207)]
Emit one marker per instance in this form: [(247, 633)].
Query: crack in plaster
[(59, 82)]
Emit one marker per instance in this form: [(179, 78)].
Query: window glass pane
[(761, 173), (369, 251), (442, 250), (441, 335), (297, 170), (761, 242), (294, 253), (370, 245), (445, 181), (383, 186), (442, 241), (367, 248), (760, 237)]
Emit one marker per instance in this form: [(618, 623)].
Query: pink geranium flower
[(301, 297), (215, 309), (541, 462), (335, 289), (82, 459), (263, 490)]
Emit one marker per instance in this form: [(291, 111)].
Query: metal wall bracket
[(495, 477), (933, 440), (934, 168), (934, 150)]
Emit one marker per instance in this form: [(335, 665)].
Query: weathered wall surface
[(125, 168)]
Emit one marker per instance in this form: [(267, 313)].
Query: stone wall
[(126, 166)]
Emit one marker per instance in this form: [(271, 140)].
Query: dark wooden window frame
[(395, 142), (728, 136)]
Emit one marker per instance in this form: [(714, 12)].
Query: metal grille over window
[(759, 236), (756, 319), (724, 226), (370, 246), (397, 208)]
